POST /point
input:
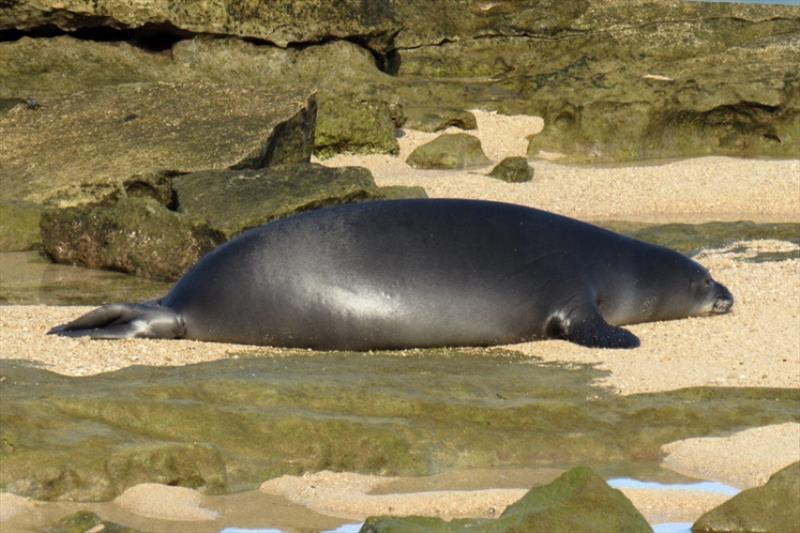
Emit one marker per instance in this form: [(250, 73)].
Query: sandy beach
[(757, 345)]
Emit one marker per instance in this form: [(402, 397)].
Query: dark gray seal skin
[(420, 273)]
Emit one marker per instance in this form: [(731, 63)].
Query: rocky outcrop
[(771, 507), (136, 235), (84, 521), (415, 413), (512, 170), (578, 500), (284, 23), (111, 140), (449, 151)]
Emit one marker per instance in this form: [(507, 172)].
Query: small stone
[(513, 170), (449, 151)]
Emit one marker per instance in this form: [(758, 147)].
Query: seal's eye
[(707, 281)]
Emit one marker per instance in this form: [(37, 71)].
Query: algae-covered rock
[(774, 506), (431, 119), (407, 413), (19, 226), (513, 170), (83, 522), (449, 151), (231, 201), (354, 123), (578, 500), (136, 235), (398, 192), (109, 137)]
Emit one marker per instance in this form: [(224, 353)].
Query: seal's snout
[(723, 299)]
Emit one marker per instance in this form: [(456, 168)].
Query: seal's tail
[(122, 321)]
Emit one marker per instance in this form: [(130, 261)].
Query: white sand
[(154, 500), (745, 459)]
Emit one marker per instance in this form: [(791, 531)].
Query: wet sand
[(758, 345)]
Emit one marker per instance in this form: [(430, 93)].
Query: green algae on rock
[(407, 413), (449, 151), (513, 170), (136, 235), (771, 507), (83, 522), (111, 136), (19, 226), (578, 500)]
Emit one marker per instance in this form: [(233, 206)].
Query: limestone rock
[(578, 500), (449, 151), (284, 23), (428, 118), (136, 235), (513, 170), (231, 201), (771, 507), (85, 147), (19, 226)]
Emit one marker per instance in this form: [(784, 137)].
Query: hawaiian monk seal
[(420, 273)]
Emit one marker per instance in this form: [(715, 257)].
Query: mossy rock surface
[(408, 413), (513, 170), (774, 506), (349, 122), (136, 235), (19, 226), (431, 119), (449, 151), (578, 500)]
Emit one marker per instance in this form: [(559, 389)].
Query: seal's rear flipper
[(121, 321)]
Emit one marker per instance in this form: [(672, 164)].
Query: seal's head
[(712, 297), (694, 291)]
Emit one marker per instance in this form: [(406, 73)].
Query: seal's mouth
[(723, 299)]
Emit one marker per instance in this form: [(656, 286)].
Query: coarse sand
[(757, 345)]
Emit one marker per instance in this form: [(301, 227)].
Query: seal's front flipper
[(587, 327), (122, 321)]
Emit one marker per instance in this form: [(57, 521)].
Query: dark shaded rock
[(109, 137), (231, 201), (513, 170), (398, 192), (578, 500), (19, 226), (351, 122), (774, 506), (438, 118), (449, 151), (136, 235), (406, 413), (84, 521), (295, 21)]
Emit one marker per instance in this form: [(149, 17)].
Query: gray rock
[(449, 151), (231, 201), (128, 133), (513, 170), (136, 235), (773, 507), (426, 118)]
